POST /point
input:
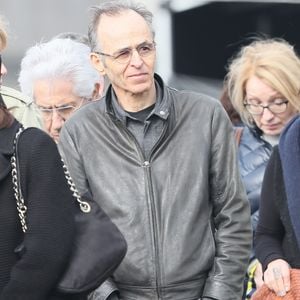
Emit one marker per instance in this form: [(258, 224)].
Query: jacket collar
[(164, 104), (7, 136)]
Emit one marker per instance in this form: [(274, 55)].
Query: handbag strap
[(84, 205), (21, 207), (16, 180)]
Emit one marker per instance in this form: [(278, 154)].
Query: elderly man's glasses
[(124, 56), (277, 107), (63, 111)]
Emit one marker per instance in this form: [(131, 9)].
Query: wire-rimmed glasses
[(63, 111), (124, 56)]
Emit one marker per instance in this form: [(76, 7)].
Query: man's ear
[(98, 91), (97, 63)]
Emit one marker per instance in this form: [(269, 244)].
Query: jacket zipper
[(146, 166)]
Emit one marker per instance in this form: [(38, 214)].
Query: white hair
[(59, 59)]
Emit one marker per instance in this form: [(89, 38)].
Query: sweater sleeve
[(50, 219), (269, 232)]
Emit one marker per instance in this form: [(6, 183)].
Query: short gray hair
[(59, 59), (112, 8)]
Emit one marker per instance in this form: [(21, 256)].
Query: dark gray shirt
[(146, 129)]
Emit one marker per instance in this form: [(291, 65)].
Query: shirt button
[(162, 113)]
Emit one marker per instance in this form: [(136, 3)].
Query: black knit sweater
[(50, 221), (275, 237)]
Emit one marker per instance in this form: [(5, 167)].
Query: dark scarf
[(289, 149)]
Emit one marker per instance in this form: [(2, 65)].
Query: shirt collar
[(161, 108)]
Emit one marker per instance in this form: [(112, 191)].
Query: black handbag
[(99, 246)]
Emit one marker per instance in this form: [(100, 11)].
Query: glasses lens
[(65, 112), (278, 108), (123, 57), (254, 109), (46, 113), (146, 49)]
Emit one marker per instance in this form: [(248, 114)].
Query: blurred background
[(195, 38)]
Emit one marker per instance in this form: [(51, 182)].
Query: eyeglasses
[(277, 107), (63, 111), (125, 55)]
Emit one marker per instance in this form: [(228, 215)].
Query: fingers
[(277, 277), (278, 283), (286, 279), (258, 276)]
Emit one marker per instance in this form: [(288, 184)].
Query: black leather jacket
[(183, 212)]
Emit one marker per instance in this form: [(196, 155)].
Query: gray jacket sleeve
[(72, 159), (231, 214)]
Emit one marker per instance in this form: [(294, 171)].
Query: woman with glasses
[(60, 78), (263, 85)]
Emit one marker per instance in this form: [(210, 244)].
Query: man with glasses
[(18, 104), (60, 78), (162, 164)]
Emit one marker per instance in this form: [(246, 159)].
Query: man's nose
[(136, 59), (57, 121)]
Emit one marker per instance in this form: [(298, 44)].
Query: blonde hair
[(3, 34), (272, 60)]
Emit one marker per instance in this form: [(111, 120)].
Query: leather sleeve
[(231, 214)]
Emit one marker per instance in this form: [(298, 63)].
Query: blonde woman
[(263, 85)]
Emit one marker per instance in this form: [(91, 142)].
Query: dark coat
[(48, 241)]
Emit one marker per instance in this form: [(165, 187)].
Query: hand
[(277, 277), (258, 276)]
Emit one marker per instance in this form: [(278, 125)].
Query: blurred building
[(195, 38), (32, 21), (205, 34)]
